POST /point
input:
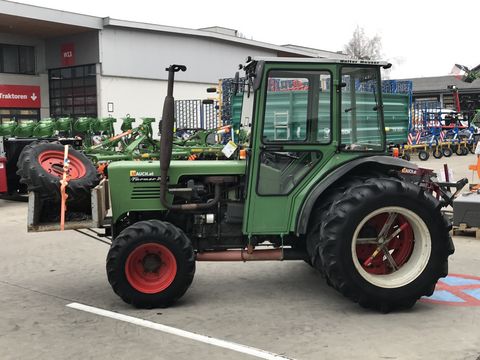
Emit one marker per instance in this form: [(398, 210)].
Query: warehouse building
[(436, 89), (55, 63)]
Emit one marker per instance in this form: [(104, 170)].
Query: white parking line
[(262, 354)]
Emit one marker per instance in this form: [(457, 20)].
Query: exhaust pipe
[(256, 255), (166, 129)]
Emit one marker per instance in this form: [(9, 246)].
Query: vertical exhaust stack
[(166, 141), (166, 129)]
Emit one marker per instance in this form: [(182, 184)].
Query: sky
[(420, 38)]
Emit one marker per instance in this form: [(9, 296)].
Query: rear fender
[(382, 163)]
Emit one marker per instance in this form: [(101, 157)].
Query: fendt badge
[(143, 176)]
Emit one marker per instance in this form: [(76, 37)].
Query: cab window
[(297, 107), (361, 110)]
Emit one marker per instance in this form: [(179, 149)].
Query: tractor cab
[(308, 117)]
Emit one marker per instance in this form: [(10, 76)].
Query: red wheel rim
[(151, 268), (52, 162), (400, 247)]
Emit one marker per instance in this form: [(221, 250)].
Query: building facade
[(57, 64), (437, 89)]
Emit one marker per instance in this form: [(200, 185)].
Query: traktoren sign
[(19, 96)]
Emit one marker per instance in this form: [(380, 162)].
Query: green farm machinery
[(313, 182)]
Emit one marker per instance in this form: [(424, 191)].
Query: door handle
[(271, 147)]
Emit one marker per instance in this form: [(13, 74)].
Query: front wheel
[(423, 155), (437, 153), (151, 264), (471, 148), (447, 152), (385, 244)]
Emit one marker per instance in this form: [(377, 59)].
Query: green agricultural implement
[(45, 128), (138, 144), (7, 128), (24, 129), (316, 185)]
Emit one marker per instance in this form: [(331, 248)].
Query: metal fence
[(193, 114)]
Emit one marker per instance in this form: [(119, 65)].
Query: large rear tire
[(407, 266), (40, 167), (319, 213), (151, 264)]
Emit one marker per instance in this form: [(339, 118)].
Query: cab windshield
[(361, 110)]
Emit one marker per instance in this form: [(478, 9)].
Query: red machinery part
[(3, 175)]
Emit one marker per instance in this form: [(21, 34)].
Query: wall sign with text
[(19, 96), (67, 54)]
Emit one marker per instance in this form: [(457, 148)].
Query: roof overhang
[(41, 22)]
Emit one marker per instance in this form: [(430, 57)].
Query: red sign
[(68, 54), (19, 96)]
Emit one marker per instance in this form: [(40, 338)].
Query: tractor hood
[(135, 185)]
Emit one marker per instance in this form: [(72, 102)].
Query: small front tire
[(423, 155), (447, 152), (151, 264), (437, 153)]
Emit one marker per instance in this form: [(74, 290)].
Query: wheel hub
[(151, 263), (390, 246), (52, 162), (151, 268)]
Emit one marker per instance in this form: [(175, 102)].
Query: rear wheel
[(151, 264), (385, 244), (464, 151), (319, 213)]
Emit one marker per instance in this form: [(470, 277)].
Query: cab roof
[(320, 60)]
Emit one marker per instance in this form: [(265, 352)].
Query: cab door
[(293, 137)]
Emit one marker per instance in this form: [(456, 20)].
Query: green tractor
[(316, 184)]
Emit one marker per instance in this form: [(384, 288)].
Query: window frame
[(314, 164), (310, 96), (382, 118), (63, 97), (18, 60)]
